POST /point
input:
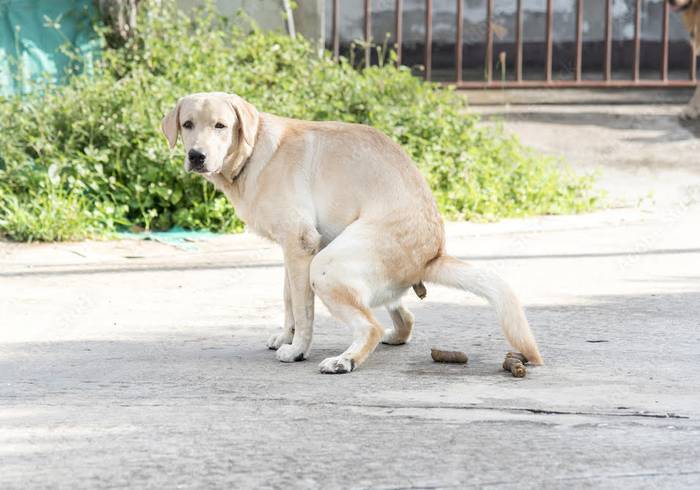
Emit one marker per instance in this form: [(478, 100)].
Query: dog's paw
[(393, 337), (337, 365), (279, 339), (290, 353)]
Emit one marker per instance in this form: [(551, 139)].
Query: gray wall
[(313, 20), (269, 14)]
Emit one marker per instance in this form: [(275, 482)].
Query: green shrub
[(52, 215), (99, 136)]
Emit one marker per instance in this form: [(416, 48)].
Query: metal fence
[(485, 78)]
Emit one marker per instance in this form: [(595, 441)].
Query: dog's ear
[(171, 125), (248, 118)]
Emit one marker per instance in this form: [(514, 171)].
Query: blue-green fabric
[(33, 34), (178, 237)]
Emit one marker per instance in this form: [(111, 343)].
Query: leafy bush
[(54, 215), (96, 145)]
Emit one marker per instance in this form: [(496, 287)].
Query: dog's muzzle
[(196, 160)]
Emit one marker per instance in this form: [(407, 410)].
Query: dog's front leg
[(302, 305), (285, 336), (692, 110)]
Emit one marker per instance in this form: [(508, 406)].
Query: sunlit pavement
[(139, 364)]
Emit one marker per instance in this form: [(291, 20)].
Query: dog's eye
[(219, 126), (188, 125)]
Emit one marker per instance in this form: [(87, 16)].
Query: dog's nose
[(196, 158)]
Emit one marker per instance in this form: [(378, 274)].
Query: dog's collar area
[(239, 171), (230, 176), (244, 163)]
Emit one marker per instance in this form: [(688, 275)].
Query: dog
[(356, 221), (690, 13)]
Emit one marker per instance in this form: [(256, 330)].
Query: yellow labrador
[(690, 13), (356, 221)]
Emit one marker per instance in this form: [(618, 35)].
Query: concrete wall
[(313, 19), (269, 14)]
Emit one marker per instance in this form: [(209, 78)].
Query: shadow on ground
[(668, 124), (222, 410)]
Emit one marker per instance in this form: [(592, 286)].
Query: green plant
[(52, 215), (99, 136)]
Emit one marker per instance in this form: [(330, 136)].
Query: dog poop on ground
[(453, 357), (515, 363)]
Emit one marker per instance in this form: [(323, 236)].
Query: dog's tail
[(452, 272)]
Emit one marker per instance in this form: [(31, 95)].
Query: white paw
[(279, 339), (336, 365), (392, 337), (290, 353)]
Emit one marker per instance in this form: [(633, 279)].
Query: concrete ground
[(137, 364), (642, 153)]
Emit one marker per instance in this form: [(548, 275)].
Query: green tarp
[(176, 236), (33, 34)]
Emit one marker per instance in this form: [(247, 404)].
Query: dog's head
[(690, 11), (218, 131)]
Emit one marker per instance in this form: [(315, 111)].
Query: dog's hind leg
[(403, 325), (346, 305), (348, 282)]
